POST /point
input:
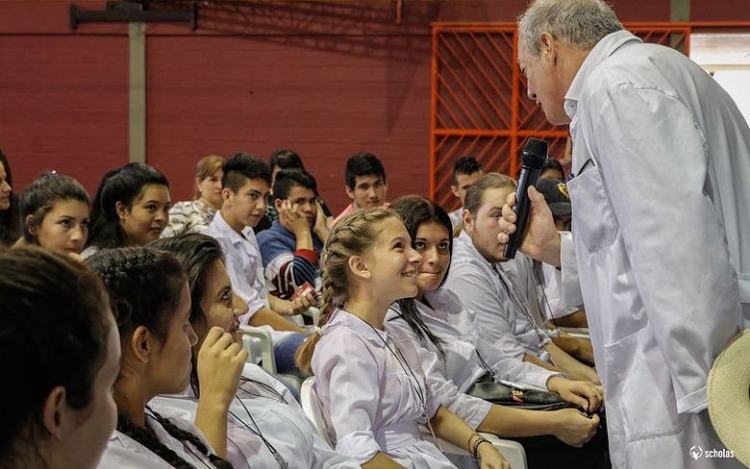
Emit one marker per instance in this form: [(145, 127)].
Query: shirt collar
[(233, 236), (343, 318), (603, 49)]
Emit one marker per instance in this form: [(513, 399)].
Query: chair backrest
[(259, 346), (312, 409)]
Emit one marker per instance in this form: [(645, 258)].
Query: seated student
[(478, 277), (193, 216), (55, 213), (466, 171), (284, 159), (131, 208), (462, 360), (151, 301), (59, 354), (266, 426), (245, 185), (291, 247), (371, 388), (365, 181)]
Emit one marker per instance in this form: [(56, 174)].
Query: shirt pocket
[(594, 221)]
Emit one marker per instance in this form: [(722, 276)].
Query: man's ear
[(54, 412), (349, 192), (548, 47), (226, 195), (468, 221), (454, 189), (358, 267), (277, 204)]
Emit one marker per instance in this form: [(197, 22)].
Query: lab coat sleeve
[(653, 160)]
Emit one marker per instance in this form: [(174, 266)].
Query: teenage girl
[(55, 212), (131, 208), (371, 388)]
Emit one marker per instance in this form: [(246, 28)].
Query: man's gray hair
[(579, 23)]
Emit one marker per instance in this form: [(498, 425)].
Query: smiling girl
[(370, 386), (131, 208)]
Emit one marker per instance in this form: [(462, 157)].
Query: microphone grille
[(535, 152)]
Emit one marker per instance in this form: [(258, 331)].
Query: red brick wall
[(325, 79)]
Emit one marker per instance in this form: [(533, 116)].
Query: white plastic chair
[(259, 346), (512, 451)]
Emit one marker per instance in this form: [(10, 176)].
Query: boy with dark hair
[(245, 186), (466, 171), (291, 247), (366, 185)]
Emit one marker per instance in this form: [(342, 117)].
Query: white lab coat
[(371, 400), (656, 146)]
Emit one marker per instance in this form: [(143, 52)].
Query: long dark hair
[(124, 185), (54, 324), (10, 220), (144, 284), (414, 211), (197, 253)]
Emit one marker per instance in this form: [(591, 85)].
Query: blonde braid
[(352, 235)]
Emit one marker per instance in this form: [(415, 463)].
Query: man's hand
[(320, 228), (541, 240)]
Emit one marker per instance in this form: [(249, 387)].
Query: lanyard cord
[(256, 431), (513, 295)]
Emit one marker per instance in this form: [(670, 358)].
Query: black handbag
[(487, 389)]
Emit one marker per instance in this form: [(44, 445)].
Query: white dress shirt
[(244, 264)]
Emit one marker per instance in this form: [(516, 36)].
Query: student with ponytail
[(370, 386), (151, 302), (266, 427)]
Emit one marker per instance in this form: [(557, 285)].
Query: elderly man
[(660, 153)]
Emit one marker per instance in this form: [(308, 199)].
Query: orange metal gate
[(479, 103)]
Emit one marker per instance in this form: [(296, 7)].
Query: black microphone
[(534, 155)]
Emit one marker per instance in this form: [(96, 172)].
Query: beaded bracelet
[(475, 448)]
